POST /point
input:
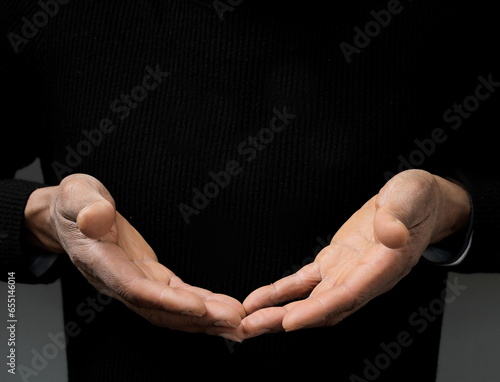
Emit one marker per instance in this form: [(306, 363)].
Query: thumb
[(87, 202), (401, 205), (389, 229)]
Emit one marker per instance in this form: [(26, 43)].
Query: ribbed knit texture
[(226, 81), (13, 196)]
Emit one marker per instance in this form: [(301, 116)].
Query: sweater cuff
[(452, 250), (446, 256), (485, 194), (14, 252)]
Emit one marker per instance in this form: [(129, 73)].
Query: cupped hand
[(372, 251), (79, 218)]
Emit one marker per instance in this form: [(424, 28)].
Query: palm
[(352, 270), (122, 264)]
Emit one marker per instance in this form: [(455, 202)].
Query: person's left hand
[(369, 254)]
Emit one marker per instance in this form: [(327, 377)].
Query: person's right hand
[(79, 218)]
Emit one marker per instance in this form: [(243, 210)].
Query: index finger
[(292, 287)]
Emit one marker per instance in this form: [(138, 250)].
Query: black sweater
[(308, 116)]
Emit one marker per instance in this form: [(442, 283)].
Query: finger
[(224, 320), (330, 302), (221, 314), (209, 296), (230, 301), (129, 283), (150, 285), (85, 200), (156, 271), (218, 318), (263, 321), (316, 311), (145, 293), (288, 288)]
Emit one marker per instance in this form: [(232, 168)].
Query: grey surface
[(470, 344), (39, 358), (40, 354)]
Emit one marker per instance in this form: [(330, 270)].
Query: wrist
[(38, 226), (454, 209)]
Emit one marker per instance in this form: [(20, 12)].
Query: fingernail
[(294, 328), (225, 324), (230, 337)]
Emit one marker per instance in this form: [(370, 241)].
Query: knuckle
[(73, 187)]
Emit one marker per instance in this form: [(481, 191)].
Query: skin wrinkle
[(344, 245), (53, 218), (421, 222), (147, 270), (124, 291), (277, 291), (93, 257), (355, 250), (176, 282), (162, 293), (335, 319), (83, 264), (129, 284), (342, 265), (71, 229), (311, 268), (352, 305), (71, 190), (327, 279), (364, 236), (321, 303), (298, 276), (355, 301), (420, 186), (389, 285)]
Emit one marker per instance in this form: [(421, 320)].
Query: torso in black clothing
[(163, 138)]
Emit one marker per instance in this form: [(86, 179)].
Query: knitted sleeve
[(21, 125), (468, 83), (463, 91)]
